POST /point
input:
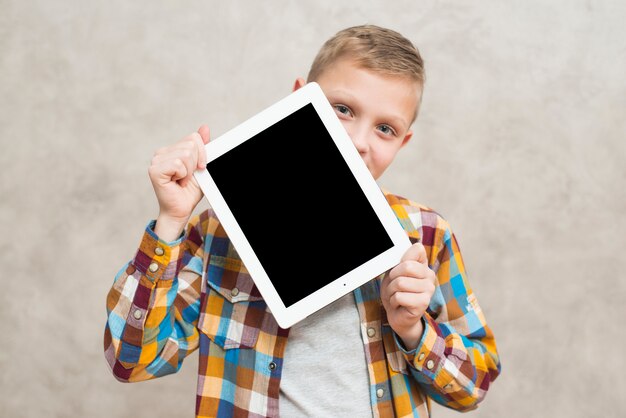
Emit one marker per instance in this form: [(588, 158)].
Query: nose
[(358, 134)]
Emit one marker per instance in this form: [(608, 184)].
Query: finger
[(181, 176), (415, 304), (205, 134), (185, 152), (182, 149), (168, 171), (201, 152), (403, 300), (384, 285), (409, 284), (416, 252), (188, 149), (409, 268)]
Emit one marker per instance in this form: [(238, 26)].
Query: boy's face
[(376, 110)]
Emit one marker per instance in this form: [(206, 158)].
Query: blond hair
[(374, 48)]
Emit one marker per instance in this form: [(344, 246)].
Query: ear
[(300, 82), (406, 138)]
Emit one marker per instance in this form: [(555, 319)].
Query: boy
[(415, 333)]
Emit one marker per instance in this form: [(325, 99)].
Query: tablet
[(299, 205)]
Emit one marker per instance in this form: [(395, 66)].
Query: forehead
[(387, 94)]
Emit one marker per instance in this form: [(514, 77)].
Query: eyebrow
[(343, 93), (392, 119)]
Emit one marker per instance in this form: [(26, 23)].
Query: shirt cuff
[(157, 259), (427, 358)]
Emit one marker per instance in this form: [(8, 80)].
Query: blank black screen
[(299, 205)]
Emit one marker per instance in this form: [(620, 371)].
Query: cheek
[(383, 154), (383, 157), (346, 126)]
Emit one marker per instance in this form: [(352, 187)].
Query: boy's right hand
[(171, 173)]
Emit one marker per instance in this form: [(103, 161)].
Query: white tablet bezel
[(287, 316)]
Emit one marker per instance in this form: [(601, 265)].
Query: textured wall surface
[(520, 145)]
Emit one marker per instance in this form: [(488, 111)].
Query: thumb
[(416, 252), (205, 133)]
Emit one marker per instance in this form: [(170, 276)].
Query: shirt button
[(153, 267), (159, 251), (421, 357), (380, 393), (371, 332), (272, 366), (430, 364), (234, 292), (137, 314)]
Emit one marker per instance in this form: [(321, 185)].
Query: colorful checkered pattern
[(173, 298)]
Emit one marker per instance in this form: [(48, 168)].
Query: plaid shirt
[(173, 298)]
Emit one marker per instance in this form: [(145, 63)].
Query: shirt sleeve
[(456, 359), (153, 307)]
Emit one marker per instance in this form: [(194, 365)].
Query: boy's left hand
[(406, 292)]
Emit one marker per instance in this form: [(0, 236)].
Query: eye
[(343, 110), (386, 129)]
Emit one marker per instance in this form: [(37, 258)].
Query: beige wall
[(520, 145)]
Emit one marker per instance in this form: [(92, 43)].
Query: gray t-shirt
[(324, 369)]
